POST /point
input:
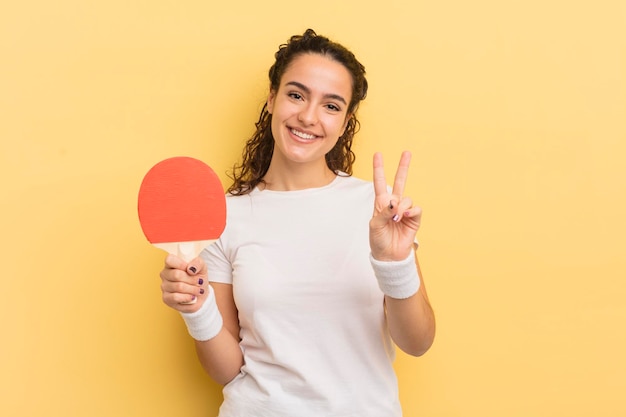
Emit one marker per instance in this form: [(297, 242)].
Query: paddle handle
[(184, 250)]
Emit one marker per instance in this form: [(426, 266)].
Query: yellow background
[(515, 113)]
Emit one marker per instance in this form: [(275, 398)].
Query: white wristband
[(397, 279), (205, 323)]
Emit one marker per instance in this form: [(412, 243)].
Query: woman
[(308, 290)]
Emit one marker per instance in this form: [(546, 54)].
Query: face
[(309, 110)]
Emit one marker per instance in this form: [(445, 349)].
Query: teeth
[(302, 135)]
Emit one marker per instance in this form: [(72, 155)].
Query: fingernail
[(391, 204), (193, 269), (395, 218), (407, 213), (200, 281), (201, 290), (193, 298)]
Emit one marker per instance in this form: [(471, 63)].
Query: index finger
[(380, 183), (401, 174)]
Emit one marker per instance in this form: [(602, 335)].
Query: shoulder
[(238, 203), (354, 186)]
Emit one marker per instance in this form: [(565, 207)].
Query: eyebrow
[(308, 91)]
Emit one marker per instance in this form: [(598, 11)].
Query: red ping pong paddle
[(182, 206)]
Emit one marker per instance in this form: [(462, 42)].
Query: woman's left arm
[(393, 228), (411, 320)]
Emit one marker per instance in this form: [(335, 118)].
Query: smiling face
[(309, 110)]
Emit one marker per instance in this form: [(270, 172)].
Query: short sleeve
[(218, 265)]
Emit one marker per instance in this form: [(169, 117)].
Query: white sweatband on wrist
[(205, 323), (397, 279)]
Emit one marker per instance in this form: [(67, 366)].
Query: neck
[(281, 177)]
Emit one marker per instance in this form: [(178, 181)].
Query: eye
[(333, 107), (295, 95)]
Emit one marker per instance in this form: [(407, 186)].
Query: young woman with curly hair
[(298, 307)]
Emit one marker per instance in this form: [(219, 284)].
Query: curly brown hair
[(258, 151)]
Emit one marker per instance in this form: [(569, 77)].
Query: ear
[(270, 101)]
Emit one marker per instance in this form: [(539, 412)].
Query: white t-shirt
[(313, 328)]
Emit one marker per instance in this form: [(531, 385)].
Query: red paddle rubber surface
[(181, 199)]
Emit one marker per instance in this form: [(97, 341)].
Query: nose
[(308, 115)]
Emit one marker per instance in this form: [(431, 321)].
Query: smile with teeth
[(302, 135)]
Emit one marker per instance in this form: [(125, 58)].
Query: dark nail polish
[(193, 269), (391, 205), (200, 281), (201, 290)]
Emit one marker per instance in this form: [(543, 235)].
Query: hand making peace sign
[(395, 221)]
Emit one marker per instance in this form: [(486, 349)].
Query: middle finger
[(401, 174)]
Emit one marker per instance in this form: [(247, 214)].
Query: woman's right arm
[(220, 356)]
